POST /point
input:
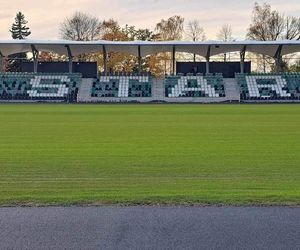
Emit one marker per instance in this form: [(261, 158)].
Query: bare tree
[(267, 24), (291, 28), (225, 35), (80, 27), (195, 32), (270, 25)]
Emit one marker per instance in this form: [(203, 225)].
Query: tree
[(80, 27), (138, 34), (19, 31), (291, 28), (295, 67), (130, 32), (170, 29), (267, 24), (145, 35), (110, 30), (225, 35), (149, 63), (270, 25), (195, 32)]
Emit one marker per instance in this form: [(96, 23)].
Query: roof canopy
[(209, 48)]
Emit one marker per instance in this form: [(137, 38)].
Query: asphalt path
[(150, 228)]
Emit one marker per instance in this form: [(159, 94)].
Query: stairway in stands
[(158, 90), (84, 93), (231, 89)]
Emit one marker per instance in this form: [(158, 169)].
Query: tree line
[(266, 25)]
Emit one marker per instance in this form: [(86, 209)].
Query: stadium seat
[(269, 86), (194, 86), (39, 86), (122, 86)]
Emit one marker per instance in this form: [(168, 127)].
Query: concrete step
[(158, 89), (232, 92), (84, 92)]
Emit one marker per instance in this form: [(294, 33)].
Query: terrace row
[(66, 87), (269, 86), (38, 86)]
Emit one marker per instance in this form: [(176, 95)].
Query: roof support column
[(35, 54), (139, 59), (242, 56), (1, 62), (104, 59), (278, 59), (173, 59), (70, 56), (207, 59)]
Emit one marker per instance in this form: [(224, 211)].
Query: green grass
[(149, 154)]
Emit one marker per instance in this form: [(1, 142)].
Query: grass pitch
[(141, 154)]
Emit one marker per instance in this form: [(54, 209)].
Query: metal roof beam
[(70, 56), (278, 51), (139, 59), (278, 59), (104, 59), (35, 54)]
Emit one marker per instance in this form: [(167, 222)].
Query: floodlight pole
[(278, 59), (242, 56), (207, 59), (70, 56), (104, 59), (173, 59), (35, 54), (139, 59)]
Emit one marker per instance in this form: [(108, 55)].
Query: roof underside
[(211, 48)]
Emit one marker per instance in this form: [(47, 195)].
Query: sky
[(45, 16)]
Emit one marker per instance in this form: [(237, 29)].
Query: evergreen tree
[(20, 31)]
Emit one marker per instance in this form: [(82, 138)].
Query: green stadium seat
[(194, 86), (39, 86), (269, 86), (122, 86)]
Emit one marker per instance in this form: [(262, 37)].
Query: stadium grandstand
[(208, 86)]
